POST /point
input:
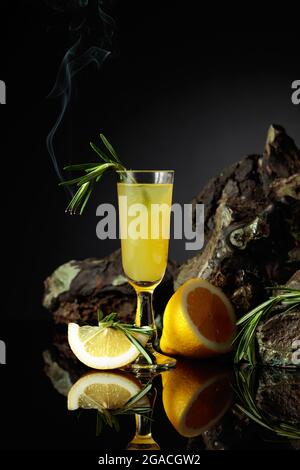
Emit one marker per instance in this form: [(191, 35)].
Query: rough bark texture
[(76, 290), (61, 365), (279, 337), (234, 431), (278, 395), (279, 340), (252, 224)]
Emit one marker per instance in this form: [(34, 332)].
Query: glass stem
[(143, 426), (143, 439), (144, 311)]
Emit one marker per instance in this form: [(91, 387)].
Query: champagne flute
[(145, 198), (143, 439)]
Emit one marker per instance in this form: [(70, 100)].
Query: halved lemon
[(103, 348), (195, 396), (109, 390), (199, 321)]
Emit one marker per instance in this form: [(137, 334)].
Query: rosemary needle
[(110, 322), (245, 381), (93, 172), (246, 349), (109, 417)]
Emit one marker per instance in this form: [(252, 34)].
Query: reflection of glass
[(143, 439), (267, 395), (145, 199), (195, 396)]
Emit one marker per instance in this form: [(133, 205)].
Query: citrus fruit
[(199, 321), (109, 390), (195, 396), (103, 348)]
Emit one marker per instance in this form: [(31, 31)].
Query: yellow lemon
[(199, 321), (195, 396), (109, 390), (103, 348)]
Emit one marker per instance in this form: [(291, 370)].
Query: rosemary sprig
[(246, 349), (93, 172), (110, 322), (245, 380), (110, 417)]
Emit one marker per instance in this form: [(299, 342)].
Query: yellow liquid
[(145, 259)]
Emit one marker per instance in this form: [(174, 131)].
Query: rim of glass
[(145, 171)]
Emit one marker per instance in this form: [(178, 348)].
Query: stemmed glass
[(145, 198), (143, 439)]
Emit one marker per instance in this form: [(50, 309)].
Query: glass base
[(143, 443), (160, 362)]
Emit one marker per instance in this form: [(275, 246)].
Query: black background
[(186, 88)]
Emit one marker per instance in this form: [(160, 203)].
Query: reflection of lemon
[(109, 390), (195, 396), (103, 348), (199, 321)]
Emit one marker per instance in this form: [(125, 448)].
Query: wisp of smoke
[(77, 58)]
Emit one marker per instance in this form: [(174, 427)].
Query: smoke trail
[(95, 23)]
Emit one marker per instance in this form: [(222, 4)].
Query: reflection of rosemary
[(289, 298), (110, 417), (110, 322), (245, 380), (92, 174)]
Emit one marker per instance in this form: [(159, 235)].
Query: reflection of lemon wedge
[(199, 321), (109, 390), (103, 348), (195, 396)]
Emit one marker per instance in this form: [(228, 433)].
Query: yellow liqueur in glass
[(145, 248), (145, 199)]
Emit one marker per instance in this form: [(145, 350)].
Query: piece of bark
[(61, 365), (293, 282), (278, 395), (277, 337), (76, 290), (252, 224), (59, 377), (237, 432), (234, 431)]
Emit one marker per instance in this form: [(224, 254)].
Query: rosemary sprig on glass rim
[(128, 329), (246, 349), (245, 379), (93, 172), (110, 417)]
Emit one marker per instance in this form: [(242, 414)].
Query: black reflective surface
[(199, 405)]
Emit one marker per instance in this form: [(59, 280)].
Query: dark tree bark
[(76, 290), (252, 224), (278, 395), (279, 337)]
